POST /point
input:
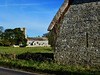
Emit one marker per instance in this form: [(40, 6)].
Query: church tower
[(24, 31)]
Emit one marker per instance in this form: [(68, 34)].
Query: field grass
[(12, 50), (28, 63)]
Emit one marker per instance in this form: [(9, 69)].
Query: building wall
[(78, 36), (24, 31), (37, 43)]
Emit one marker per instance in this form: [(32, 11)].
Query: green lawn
[(31, 62), (12, 50)]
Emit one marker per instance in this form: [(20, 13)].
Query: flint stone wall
[(78, 36)]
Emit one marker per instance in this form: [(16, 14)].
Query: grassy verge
[(12, 50), (32, 61), (48, 67)]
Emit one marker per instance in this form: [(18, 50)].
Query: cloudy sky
[(35, 15)]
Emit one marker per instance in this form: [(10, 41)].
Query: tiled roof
[(37, 38)]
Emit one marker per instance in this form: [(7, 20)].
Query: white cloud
[(29, 4), (19, 5)]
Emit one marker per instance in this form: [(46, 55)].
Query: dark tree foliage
[(14, 36), (1, 30), (50, 37)]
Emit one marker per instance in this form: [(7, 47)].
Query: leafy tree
[(1, 30), (14, 36), (9, 36), (20, 37), (5, 42), (0, 41), (50, 37)]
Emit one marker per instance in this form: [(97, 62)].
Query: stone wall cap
[(58, 14), (62, 9)]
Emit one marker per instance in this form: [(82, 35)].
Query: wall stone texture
[(78, 36)]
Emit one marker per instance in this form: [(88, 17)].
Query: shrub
[(6, 42)]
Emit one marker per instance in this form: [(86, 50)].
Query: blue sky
[(35, 15)]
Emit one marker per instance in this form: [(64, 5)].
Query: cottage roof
[(37, 38), (59, 14)]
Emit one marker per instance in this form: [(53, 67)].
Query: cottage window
[(31, 43), (37, 42)]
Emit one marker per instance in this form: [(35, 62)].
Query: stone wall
[(78, 36)]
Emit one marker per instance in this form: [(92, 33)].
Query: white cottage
[(37, 41), (34, 41)]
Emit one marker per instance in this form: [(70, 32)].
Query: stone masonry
[(77, 35)]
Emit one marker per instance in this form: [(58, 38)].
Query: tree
[(0, 41), (1, 30), (20, 37), (9, 36), (5, 42), (14, 36), (50, 38)]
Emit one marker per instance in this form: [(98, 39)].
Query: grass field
[(12, 50), (30, 60)]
